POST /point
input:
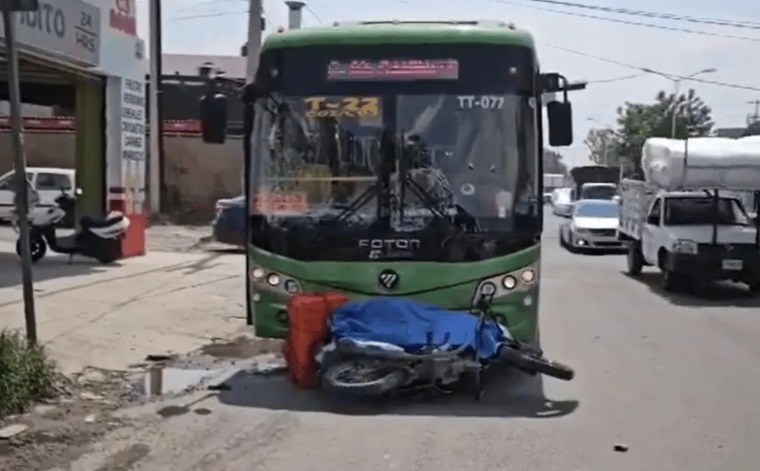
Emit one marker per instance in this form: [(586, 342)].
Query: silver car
[(592, 226)]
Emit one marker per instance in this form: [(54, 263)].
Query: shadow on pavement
[(507, 394), (48, 268), (709, 295)]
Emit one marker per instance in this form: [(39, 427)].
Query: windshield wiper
[(376, 189)]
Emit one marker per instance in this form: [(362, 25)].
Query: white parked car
[(562, 202), (592, 226), (47, 182)]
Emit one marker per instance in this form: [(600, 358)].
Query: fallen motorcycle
[(362, 363)]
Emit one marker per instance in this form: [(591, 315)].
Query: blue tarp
[(406, 324)]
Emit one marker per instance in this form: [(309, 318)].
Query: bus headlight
[(509, 282), (517, 281), (291, 286), (263, 279), (273, 279), (488, 289)]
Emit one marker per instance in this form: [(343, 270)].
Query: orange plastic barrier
[(308, 315)]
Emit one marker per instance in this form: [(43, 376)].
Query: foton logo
[(123, 17)]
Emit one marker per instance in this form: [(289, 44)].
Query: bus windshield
[(394, 176)]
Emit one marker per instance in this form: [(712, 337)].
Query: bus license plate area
[(733, 265)]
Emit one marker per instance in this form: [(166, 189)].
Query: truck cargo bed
[(635, 199)]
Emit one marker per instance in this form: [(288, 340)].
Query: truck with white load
[(595, 182), (684, 220)]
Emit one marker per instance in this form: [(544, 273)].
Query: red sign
[(280, 204), (64, 123), (122, 17)]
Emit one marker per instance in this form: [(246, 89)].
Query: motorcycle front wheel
[(37, 247), (532, 363), (363, 378)]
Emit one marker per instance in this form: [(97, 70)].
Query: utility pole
[(9, 9), (755, 116), (254, 39), (154, 122)]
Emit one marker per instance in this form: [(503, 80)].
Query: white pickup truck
[(692, 237)]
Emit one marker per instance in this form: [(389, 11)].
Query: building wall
[(196, 174), (181, 100)]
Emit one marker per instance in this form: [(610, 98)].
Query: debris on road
[(12, 430), (620, 447)]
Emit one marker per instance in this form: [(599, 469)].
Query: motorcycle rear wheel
[(37, 248), (363, 378)]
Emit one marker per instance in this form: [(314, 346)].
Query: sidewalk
[(113, 316)]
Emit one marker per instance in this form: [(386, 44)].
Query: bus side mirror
[(560, 115), (213, 111)]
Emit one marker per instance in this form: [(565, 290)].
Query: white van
[(48, 182)]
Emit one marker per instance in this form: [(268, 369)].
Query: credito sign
[(122, 17)]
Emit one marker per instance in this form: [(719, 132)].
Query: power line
[(313, 13), (657, 15), (631, 23), (197, 7), (206, 15), (647, 70), (618, 79)]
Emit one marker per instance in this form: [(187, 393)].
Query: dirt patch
[(60, 430), (242, 347)]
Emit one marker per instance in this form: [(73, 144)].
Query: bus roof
[(402, 32)]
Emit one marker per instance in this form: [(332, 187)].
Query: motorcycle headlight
[(686, 247)]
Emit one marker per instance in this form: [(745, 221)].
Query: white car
[(562, 202), (592, 226), (47, 182)]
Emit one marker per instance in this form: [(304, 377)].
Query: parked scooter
[(368, 368), (96, 238)]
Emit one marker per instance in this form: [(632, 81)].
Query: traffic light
[(213, 111)]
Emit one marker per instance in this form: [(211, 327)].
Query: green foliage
[(27, 375), (638, 121), (603, 146)]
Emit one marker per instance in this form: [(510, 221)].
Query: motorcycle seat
[(96, 223)]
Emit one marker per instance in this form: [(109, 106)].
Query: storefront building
[(85, 56)]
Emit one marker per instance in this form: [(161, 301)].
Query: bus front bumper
[(517, 311)]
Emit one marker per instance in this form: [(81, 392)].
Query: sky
[(218, 27)]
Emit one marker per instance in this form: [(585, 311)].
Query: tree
[(602, 145), (553, 162), (639, 121)]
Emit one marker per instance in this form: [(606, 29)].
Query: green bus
[(399, 159)]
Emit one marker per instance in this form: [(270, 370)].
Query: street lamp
[(677, 85)]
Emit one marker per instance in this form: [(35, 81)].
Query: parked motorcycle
[(96, 237), (364, 368)]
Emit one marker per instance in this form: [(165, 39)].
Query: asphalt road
[(675, 379)]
